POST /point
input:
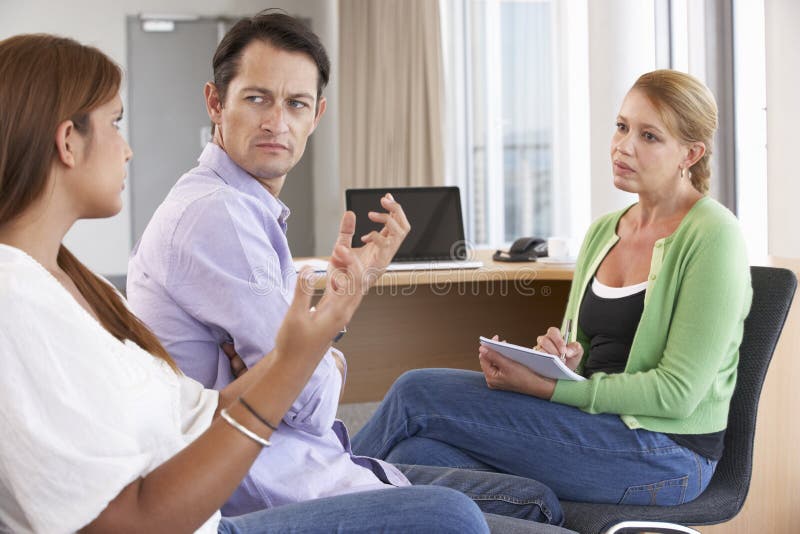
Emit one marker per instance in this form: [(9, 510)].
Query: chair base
[(628, 527)]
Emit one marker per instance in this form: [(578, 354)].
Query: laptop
[(436, 240)]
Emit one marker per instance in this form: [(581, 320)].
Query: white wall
[(104, 245), (783, 118)]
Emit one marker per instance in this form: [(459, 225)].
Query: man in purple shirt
[(213, 267)]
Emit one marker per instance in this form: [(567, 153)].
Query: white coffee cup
[(557, 247)]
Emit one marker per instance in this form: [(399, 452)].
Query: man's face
[(269, 111)]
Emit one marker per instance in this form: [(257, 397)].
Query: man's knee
[(446, 510)]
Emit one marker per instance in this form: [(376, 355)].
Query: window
[(518, 129), (502, 52), (749, 56), (700, 39), (512, 132)]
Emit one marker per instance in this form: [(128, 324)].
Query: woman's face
[(645, 157), (101, 174)]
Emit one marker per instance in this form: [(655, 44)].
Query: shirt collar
[(216, 159)]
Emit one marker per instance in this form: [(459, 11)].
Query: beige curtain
[(390, 87)]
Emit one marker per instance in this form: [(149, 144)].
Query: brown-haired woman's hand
[(309, 330)]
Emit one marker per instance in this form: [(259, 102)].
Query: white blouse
[(82, 414)]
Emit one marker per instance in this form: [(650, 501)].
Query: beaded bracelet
[(256, 414), (244, 430)]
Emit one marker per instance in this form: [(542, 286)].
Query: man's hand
[(346, 229), (238, 367), (379, 247)]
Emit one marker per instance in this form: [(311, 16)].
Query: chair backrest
[(773, 291)]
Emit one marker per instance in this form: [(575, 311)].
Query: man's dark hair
[(276, 28)]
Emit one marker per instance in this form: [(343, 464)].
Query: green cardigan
[(681, 370)]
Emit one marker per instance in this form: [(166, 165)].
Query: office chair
[(773, 290)]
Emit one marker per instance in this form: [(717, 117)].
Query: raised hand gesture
[(379, 246)]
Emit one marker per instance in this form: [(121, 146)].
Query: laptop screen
[(437, 229)]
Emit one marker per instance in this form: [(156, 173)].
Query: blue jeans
[(409, 509), (449, 417), (496, 494)]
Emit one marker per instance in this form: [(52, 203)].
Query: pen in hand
[(566, 340)]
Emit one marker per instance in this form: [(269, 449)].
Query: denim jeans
[(451, 418), (413, 509), (409, 509), (494, 493)]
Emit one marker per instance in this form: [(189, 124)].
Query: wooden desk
[(415, 319)]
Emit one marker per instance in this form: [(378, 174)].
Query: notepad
[(541, 362)]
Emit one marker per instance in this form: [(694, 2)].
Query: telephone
[(523, 249)]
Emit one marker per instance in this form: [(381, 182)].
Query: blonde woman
[(658, 301)]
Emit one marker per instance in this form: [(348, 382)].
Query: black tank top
[(610, 324)]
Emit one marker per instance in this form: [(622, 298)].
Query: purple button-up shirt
[(214, 265)]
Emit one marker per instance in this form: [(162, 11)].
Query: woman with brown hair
[(101, 431), (658, 301)]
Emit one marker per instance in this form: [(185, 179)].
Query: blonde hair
[(688, 109)]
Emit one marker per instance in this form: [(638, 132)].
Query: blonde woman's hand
[(507, 375), (553, 343)]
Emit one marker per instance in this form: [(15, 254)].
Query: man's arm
[(378, 250), (225, 271), (238, 367)]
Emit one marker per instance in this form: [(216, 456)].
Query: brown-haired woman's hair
[(688, 109), (45, 80)]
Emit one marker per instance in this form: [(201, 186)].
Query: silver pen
[(566, 340)]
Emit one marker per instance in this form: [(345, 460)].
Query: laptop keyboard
[(436, 265)]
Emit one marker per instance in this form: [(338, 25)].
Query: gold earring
[(683, 173)]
